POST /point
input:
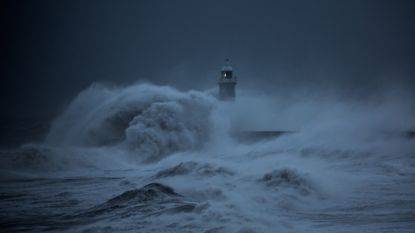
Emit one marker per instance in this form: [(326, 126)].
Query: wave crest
[(151, 120)]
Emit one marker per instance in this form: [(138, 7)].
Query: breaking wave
[(287, 178), (193, 168), (152, 199), (149, 120)]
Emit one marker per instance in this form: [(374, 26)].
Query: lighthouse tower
[(227, 83)]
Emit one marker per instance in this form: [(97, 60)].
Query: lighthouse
[(227, 83)]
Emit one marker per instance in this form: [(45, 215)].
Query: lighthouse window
[(227, 74)]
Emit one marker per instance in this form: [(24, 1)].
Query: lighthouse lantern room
[(227, 83)]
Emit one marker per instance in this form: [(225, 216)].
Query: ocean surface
[(146, 158)]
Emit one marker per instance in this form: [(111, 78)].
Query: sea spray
[(152, 121)]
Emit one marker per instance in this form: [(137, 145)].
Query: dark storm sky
[(53, 49)]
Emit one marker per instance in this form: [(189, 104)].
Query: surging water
[(152, 159)]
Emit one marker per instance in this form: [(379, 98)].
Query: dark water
[(16, 131)]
